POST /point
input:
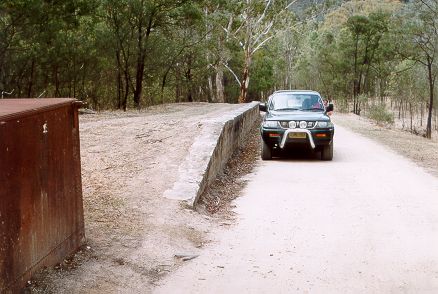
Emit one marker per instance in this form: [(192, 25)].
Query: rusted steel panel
[(24, 107), (41, 210)]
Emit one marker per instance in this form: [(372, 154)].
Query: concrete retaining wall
[(209, 154)]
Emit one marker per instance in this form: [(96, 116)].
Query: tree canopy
[(134, 53)]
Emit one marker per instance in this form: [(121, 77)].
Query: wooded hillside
[(377, 57)]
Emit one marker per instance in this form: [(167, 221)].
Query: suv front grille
[(286, 124)]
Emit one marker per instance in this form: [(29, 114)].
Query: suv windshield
[(296, 101)]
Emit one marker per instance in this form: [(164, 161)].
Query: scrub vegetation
[(366, 55)]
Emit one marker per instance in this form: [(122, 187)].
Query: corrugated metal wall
[(41, 210)]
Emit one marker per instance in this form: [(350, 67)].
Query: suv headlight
[(270, 124), (325, 124)]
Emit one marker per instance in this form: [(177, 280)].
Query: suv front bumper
[(280, 137)]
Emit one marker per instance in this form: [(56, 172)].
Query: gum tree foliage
[(365, 52), (348, 59), (134, 53), (365, 35), (44, 47), (409, 88), (134, 23), (420, 32), (252, 24)]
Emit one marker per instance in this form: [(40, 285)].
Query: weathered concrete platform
[(210, 152)]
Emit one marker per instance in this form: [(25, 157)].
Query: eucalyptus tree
[(252, 26), (133, 24), (217, 53), (42, 46), (419, 35), (366, 34), (343, 46), (8, 22), (409, 91), (286, 46)]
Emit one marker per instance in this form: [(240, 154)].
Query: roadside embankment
[(421, 150)]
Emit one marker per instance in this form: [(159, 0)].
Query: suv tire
[(327, 152), (266, 151)]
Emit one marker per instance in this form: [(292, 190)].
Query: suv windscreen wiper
[(310, 109), (288, 108)]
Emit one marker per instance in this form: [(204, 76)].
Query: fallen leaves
[(226, 187)]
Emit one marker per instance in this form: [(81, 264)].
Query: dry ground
[(421, 150), (133, 233)]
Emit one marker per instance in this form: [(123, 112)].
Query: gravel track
[(365, 222)]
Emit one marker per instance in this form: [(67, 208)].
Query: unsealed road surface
[(367, 222)]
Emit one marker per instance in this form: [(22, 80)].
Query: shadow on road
[(297, 155)]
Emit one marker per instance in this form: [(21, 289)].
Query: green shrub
[(380, 114)]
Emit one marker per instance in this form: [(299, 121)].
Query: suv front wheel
[(266, 151), (327, 152)]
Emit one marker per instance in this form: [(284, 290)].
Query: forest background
[(372, 57)]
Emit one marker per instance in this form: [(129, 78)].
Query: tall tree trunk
[(410, 114), (211, 97), (74, 76), (32, 70), (220, 97), (355, 82), (177, 84), (119, 80), (245, 78), (220, 90), (400, 109), (188, 75), (288, 77), (244, 85), (57, 93), (431, 79), (125, 97), (141, 57), (436, 120), (421, 114), (163, 84), (139, 80)]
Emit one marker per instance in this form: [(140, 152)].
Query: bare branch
[(230, 23), (233, 73), (264, 13), (234, 36), (290, 4), (261, 44), (241, 26), (265, 32), (429, 6)]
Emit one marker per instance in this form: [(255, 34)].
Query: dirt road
[(367, 222)]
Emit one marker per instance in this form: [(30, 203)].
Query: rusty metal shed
[(41, 209)]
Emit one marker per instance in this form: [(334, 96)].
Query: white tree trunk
[(211, 90), (220, 96)]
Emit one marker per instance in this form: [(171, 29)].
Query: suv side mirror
[(329, 109), (262, 107)]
